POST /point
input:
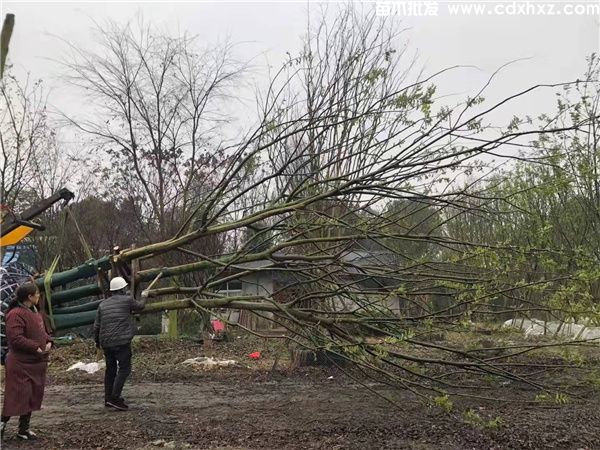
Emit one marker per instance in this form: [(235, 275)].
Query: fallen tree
[(344, 196)]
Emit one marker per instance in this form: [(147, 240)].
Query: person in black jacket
[(114, 329)]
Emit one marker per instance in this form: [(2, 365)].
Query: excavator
[(13, 228)]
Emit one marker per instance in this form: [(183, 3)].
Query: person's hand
[(39, 350), (48, 346)]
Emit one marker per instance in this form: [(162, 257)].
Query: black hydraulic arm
[(11, 223)]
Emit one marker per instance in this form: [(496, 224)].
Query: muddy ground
[(263, 405)]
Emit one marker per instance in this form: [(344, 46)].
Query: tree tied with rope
[(349, 194)]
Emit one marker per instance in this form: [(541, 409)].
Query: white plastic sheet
[(88, 367), (569, 329), (208, 362)]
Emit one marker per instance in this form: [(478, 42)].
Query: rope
[(84, 244), (48, 290), (48, 277), (50, 272)]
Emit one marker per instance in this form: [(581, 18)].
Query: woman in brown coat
[(27, 360)]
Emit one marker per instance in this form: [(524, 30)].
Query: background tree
[(25, 137), (157, 104)]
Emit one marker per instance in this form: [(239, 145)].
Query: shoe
[(117, 403), (26, 435), (107, 402)]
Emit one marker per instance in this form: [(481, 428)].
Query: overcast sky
[(554, 48)]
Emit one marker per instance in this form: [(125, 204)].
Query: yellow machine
[(13, 228)]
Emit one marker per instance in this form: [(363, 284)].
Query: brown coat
[(25, 368)]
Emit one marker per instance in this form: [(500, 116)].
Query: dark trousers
[(23, 422), (118, 368)]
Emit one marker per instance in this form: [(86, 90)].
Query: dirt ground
[(262, 405)]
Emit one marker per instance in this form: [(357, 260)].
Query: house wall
[(393, 303), (259, 283), (262, 283)]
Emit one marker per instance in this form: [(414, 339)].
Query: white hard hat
[(117, 283)]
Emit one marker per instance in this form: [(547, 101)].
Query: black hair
[(23, 292)]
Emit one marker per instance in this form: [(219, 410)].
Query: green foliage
[(191, 323), (495, 423), (593, 379), (443, 402), (573, 357), (540, 229), (491, 379), (471, 417), (400, 337), (558, 398), (374, 75), (150, 324)]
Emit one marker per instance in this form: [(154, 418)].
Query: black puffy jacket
[(115, 324)]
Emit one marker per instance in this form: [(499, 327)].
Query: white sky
[(556, 47)]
